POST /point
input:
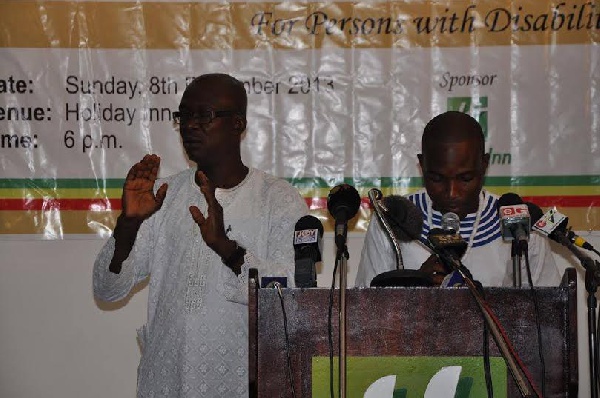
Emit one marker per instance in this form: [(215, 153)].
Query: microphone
[(515, 220), (308, 245), (515, 223), (406, 221), (535, 212), (406, 225), (447, 237), (448, 240), (343, 203), (580, 242), (553, 224), (451, 222)]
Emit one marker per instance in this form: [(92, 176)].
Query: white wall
[(57, 342)]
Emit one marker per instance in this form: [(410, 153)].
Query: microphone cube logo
[(549, 222), (477, 107), (511, 217), (514, 210), (306, 236)]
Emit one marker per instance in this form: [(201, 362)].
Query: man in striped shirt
[(454, 163)]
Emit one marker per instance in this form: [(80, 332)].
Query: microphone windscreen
[(509, 199), (309, 222), (535, 213), (343, 202), (406, 219), (308, 234)]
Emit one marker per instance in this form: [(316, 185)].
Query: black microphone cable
[(330, 330), (277, 286), (536, 213), (536, 309), (487, 368)]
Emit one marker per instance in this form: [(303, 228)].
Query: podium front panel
[(410, 323)]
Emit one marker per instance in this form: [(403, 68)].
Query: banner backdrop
[(338, 92)]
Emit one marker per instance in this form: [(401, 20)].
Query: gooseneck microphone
[(405, 219), (308, 246), (406, 224), (343, 203)]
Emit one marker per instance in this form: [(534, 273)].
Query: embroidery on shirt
[(197, 257)]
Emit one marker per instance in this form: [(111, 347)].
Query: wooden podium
[(409, 322)]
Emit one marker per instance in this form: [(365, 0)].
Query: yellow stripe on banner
[(115, 193), (295, 25), (60, 193), (53, 224), (582, 218)]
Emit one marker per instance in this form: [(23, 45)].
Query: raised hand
[(139, 201), (212, 225)]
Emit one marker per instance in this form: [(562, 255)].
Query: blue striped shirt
[(489, 224)]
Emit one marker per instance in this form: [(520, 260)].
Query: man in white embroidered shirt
[(195, 235), (454, 163)]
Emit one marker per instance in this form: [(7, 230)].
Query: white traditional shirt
[(195, 342), (489, 259)]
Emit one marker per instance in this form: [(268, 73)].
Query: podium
[(408, 323)]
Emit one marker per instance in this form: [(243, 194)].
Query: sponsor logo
[(477, 107), (403, 377)]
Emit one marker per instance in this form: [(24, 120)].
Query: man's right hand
[(434, 268), (139, 201)]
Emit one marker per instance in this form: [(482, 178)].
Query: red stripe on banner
[(321, 203), (60, 204), (542, 201)]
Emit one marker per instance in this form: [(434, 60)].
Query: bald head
[(454, 162), (222, 86), (453, 127)]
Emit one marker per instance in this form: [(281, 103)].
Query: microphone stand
[(592, 278), (516, 262), (341, 259), (502, 343)]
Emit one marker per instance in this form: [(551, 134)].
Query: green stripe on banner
[(318, 182), (411, 182)]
